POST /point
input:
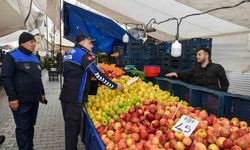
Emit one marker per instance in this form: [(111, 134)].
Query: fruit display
[(148, 127), (111, 70), (109, 104)]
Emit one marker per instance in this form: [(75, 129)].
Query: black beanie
[(25, 37)]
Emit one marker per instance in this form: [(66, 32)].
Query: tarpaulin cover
[(105, 31)]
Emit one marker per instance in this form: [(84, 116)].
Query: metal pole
[(60, 63), (47, 31)]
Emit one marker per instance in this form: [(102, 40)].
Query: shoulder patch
[(90, 58)]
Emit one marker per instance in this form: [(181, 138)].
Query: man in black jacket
[(21, 75), (205, 73), (78, 67)]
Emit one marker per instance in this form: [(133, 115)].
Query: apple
[(134, 129), (157, 116), (191, 109), (243, 125), (153, 110), (199, 146), (127, 117), (139, 112), (179, 135), (135, 120), (135, 137), (234, 135), (128, 126), (197, 111), (163, 128), (236, 147), (110, 145), (122, 144), (187, 141), (211, 138), (162, 139), (147, 145), (225, 132), (170, 123), (142, 128), (241, 132), (179, 146), (129, 142), (155, 141), (139, 146), (117, 137), (106, 141), (203, 114), (144, 134), (225, 121), (201, 133), (220, 141), (131, 110), (146, 123), (124, 135), (158, 133), (213, 147), (169, 134), (228, 143), (155, 123), (150, 117), (172, 143), (166, 146), (110, 133), (151, 130), (117, 126), (235, 122)]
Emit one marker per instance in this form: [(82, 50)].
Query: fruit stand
[(145, 116)]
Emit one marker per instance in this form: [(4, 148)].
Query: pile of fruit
[(111, 70), (148, 127), (109, 104)]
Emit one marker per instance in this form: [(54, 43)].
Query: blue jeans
[(25, 119)]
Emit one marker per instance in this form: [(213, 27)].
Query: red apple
[(225, 132), (150, 116), (179, 146), (106, 141), (170, 135), (134, 129), (144, 134), (117, 137), (172, 143), (234, 136), (127, 117), (243, 125), (131, 110), (201, 133), (200, 146), (135, 120), (147, 145), (146, 123), (241, 132), (155, 141), (153, 110), (163, 122), (179, 135), (187, 141), (236, 147), (135, 137), (142, 128), (139, 146), (139, 112), (162, 139), (228, 143), (220, 142), (155, 123), (235, 122), (170, 123), (158, 133), (211, 138), (191, 109), (110, 145), (213, 147), (157, 116), (151, 130)]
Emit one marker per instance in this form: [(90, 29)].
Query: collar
[(83, 48), (25, 50)]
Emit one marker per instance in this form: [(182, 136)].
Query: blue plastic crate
[(181, 90), (210, 101), (90, 137), (237, 106), (163, 84)]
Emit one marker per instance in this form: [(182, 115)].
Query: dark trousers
[(72, 114), (25, 119)]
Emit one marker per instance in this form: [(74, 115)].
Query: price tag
[(186, 125), (131, 81)]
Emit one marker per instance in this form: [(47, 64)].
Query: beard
[(201, 61)]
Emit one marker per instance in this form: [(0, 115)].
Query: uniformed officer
[(78, 67), (23, 85)]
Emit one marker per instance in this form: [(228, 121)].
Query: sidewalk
[(49, 129)]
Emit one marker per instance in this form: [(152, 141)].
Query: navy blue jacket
[(21, 75), (78, 66)]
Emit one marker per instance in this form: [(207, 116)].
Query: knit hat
[(82, 37), (25, 37)]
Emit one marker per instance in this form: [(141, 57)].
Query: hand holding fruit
[(172, 74), (120, 87)]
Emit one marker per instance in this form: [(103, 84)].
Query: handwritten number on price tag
[(186, 125)]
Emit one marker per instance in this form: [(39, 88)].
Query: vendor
[(205, 73), (78, 67)]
